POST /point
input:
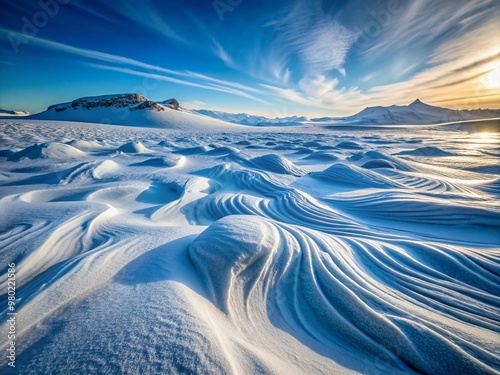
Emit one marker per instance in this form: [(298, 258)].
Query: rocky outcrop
[(148, 104), (133, 101), (172, 103)]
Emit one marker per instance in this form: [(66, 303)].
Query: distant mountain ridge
[(8, 112), (416, 113), (247, 119), (137, 110)]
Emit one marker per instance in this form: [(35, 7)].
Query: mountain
[(172, 103), (137, 110), (416, 113), (7, 112), (246, 119), (127, 109)]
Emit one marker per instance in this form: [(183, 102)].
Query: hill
[(127, 109)]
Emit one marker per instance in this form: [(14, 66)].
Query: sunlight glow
[(493, 77), (486, 136)]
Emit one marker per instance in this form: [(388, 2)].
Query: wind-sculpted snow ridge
[(426, 151), (396, 205), (53, 150), (160, 251), (343, 174), (277, 164), (321, 156), (133, 148), (317, 288), (162, 161), (377, 159)]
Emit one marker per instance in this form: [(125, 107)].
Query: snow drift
[(305, 251)]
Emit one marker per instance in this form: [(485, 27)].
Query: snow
[(416, 113), (9, 112), (137, 110), (247, 119), (190, 246), (128, 109)]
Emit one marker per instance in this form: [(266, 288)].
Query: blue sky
[(275, 58)]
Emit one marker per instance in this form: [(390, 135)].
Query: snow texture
[(196, 247)]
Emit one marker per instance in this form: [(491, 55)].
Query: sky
[(273, 58)]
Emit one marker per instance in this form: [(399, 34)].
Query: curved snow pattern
[(186, 252), (329, 289)]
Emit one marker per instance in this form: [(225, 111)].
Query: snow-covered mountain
[(8, 112), (127, 109), (246, 119), (415, 113), (137, 110)]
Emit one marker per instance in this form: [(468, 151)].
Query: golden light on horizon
[(492, 78), (486, 137)]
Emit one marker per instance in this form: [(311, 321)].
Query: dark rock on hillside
[(172, 103), (133, 101)]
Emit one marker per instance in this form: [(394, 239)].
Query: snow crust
[(195, 247)]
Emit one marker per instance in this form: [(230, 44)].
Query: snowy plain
[(213, 248)]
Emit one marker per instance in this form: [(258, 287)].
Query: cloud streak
[(320, 41), (160, 77), (301, 52), (460, 50), (425, 22), (151, 70), (146, 13)]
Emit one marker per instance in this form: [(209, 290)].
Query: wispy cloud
[(146, 14), (464, 54), (320, 41), (186, 78), (473, 66), (160, 77), (222, 82), (300, 52), (222, 54), (424, 22), (195, 104)]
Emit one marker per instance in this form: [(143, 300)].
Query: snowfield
[(210, 248)]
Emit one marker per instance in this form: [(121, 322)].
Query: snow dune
[(317, 288), (302, 251)]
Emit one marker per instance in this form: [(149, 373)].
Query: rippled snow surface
[(287, 251)]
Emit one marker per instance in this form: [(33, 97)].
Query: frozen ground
[(304, 250)]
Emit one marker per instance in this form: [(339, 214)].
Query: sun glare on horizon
[(492, 78)]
